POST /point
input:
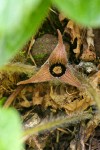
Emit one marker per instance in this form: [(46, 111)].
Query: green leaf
[(19, 20), (10, 130), (2, 100), (83, 12)]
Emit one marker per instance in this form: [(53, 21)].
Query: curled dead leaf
[(37, 99), (89, 53), (95, 79), (75, 32)]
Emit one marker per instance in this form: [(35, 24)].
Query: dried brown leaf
[(95, 79), (78, 105), (37, 99), (25, 104), (75, 33), (92, 124), (89, 53), (61, 17)]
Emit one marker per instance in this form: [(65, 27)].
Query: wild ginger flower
[(56, 67)]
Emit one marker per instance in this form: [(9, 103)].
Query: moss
[(40, 56)]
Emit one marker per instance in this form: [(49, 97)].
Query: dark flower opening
[(57, 70)]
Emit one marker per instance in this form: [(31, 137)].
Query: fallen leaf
[(89, 53), (95, 79), (37, 99), (75, 32)]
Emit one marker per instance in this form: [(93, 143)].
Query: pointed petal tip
[(59, 54), (60, 40), (70, 78), (43, 75), (24, 82), (58, 31), (18, 83)]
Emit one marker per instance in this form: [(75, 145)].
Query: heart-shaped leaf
[(84, 12), (19, 20), (10, 130)]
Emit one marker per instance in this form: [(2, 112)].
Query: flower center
[(57, 70)]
